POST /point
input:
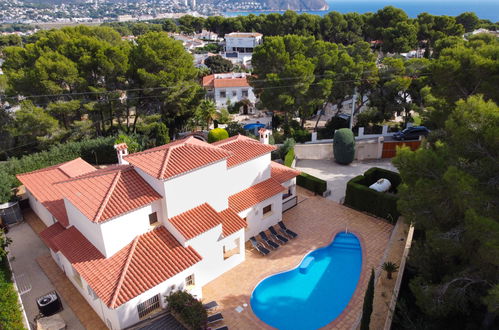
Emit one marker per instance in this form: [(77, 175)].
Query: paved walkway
[(338, 175), (25, 248), (316, 220)]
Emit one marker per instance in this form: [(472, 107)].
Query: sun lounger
[(210, 305), (277, 236), (258, 246), (223, 328), (214, 318), (273, 245), (288, 232)]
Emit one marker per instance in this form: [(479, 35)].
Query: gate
[(390, 147)]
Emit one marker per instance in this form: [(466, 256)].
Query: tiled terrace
[(316, 220)]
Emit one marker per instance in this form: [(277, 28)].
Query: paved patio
[(25, 249), (338, 175), (316, 220)]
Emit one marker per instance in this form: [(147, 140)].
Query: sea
[(485, 9)]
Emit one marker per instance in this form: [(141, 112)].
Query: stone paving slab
[(316, 220)]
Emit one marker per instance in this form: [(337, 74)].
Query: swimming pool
[(316, 292)]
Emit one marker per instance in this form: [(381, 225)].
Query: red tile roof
[(231, 222), (282, 173), (147, 261), (243, 149), (208, 80), (255, 194), (41, 184), (120, 146), (106, 193), (176, 158), (49, 233), (203, 218), (211, 81)]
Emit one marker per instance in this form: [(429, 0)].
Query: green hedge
[(290, 157), (10, 312), (367, 308), (360, 197), (311, 183), (190, 310), (217, 134), (95, 151)]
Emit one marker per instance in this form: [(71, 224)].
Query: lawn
[(10, 311)]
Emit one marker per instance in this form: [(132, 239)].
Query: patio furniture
[(214, 318), (277, 236), (210, 305), (273, 245), (223, 328), (285, 230), (258, 246)]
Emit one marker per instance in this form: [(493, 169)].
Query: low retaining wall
[(364, 149)]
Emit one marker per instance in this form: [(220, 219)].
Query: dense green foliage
[(450, 195), (382, 204), (218, 64), (188, 309), (311, 183), (344, 146), (95, 151), (367, 307), (217, 134), (290, 157)]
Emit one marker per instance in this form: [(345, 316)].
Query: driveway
[(338, 175), (25, 248)]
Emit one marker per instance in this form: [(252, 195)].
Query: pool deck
[(316, 220)]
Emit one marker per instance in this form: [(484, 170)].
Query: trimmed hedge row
[(290, 157), (10, 312), (95, 151), (360, 197), (311, 183), (188, 309)]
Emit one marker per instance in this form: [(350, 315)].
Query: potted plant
[(390, 268)]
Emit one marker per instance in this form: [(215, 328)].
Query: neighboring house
[(206, 35), (173, 217), (188, 42), (239, 47), (230, 88)]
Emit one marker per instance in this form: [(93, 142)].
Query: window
[(267, 209), (222, 94), (289, 193), (77, 278), (91, 292), (189, 280), (234, 93), (153, 218), (245, 93), (147, 307), (231, 248)]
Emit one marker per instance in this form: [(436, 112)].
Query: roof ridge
[(48, 168), (161, 148), (99, 172), (124, 271), (108, 196), (166, 158)]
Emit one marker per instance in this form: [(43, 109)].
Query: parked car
[(411, 133)]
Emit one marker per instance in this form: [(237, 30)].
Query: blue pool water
[(316, 292)]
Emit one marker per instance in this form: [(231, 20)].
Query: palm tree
[(390, 268), (206, 111)]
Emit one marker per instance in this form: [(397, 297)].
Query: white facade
[(230, 88), (242, 42)]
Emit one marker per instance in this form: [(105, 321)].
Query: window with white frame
[(147, 307), (245, 93), (234, 93), (267, 209), (223, 94), (190, 281)]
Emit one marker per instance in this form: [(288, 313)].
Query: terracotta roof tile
[(243, 34), (120, 146), (147, 261), (177, 157), (41, 184), (230, 82), (255, 194), (49, 233), (231, 222), (106, 193), (243, 149), (282, 173), (208, 80)]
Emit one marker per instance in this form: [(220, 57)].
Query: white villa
[(173, 217), (239, 47), (231, 88)]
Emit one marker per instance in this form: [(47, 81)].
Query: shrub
[(190, 310), (234, 128), (344, 146), (311, 183), (360, 197), (367, 308), (290, 157), (217, 134), (301, 135), (286, 146)]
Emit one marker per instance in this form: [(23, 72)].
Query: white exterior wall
[(248, 174), (157, 185), (221, 102), (204, 185), (248, 42), (111, 236), (40, 210), (210, 246), (258, 222)]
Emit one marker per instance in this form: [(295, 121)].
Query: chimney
[(264, 135), (121, 151)]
